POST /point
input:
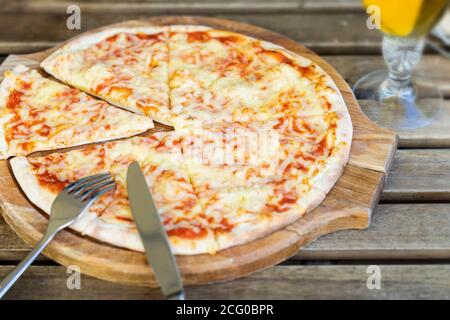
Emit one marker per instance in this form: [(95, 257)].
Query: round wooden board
[(349, 204)]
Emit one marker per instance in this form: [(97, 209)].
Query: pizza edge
[(5, 87)]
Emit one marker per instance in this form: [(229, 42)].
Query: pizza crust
[(188, 28), (85, 41), (5, 87), (27, 180), (128, 237), (248, 232)]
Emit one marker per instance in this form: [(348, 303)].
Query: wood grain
[(419, 175), (184, 7), (398, 231), (280, 282), (344, 33), (349, 204)]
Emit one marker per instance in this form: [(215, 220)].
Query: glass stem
[(401, 55)]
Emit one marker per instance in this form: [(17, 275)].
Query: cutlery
[(153, 235), (69, 205)]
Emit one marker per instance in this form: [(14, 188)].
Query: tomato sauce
[(188, 233), (14, 99), (51, 182)]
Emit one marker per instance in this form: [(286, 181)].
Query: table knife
[(154, 238)]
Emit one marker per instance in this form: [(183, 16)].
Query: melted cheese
[(225, 77), (126, 69)]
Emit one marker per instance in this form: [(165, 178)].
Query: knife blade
[(154, 237)]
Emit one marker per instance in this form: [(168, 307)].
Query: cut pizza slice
[(242, 214), (127, 67), (37, 113), (217, 76), (195, 62), (110, 218), (249, 199), (220, 76), (292, 86)]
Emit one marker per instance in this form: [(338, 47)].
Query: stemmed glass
[(393, 98)]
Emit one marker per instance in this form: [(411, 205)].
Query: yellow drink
[(408, 17)]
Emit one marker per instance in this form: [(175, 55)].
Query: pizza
[(261, 134), (37, 113), (126, 67)]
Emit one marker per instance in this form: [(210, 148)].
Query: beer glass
[(392, 97)]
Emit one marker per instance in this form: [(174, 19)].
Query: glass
[(393, 98)]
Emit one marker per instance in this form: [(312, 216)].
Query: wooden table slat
[(286, 282), (185, 6), (419, 175), (345, 32)]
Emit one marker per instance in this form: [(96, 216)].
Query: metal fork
[(69, 205)]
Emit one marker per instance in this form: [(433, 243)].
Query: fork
[(69, 205)]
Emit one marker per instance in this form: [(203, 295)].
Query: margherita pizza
[(261, 134)]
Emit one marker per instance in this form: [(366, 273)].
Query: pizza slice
[(127, 67), (203, 63), (110, 218), (252, 178), (220, 76), (37, 113), (241, 214)]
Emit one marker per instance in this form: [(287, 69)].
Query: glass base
[(415, 107)]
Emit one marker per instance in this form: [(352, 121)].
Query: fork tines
[(91, 187)]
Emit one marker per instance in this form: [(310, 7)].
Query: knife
[(153, 235)]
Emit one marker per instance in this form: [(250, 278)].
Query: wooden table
[(409, 238)]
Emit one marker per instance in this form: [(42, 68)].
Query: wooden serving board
[(349, 205)]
